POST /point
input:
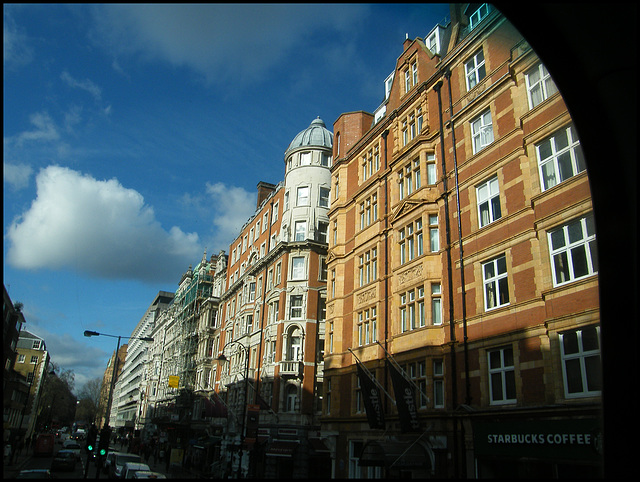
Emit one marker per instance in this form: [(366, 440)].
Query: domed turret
[(316, 135)]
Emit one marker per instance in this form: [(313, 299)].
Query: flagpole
[(404, 374), (370, 375)]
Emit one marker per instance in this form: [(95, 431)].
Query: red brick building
[(462, 253)]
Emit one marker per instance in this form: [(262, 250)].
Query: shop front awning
[(282, 448), (394, 454)]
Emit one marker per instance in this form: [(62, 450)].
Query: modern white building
[(132, 384)]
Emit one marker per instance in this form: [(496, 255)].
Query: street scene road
[(26, 460)]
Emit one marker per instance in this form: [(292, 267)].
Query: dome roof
[(316, 135)]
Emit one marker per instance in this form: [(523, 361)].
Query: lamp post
[(88, 333), (223, 358)]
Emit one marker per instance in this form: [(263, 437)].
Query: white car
[(116, 461), (130, 468), (74, 446), (143, 474)]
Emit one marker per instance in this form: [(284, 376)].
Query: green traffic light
[(103, 451), (90, 447)]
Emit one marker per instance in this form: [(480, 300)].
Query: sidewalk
[(10, 471)]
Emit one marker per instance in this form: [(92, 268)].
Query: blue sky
[(135, 136)]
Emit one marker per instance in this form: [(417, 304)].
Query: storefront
[(538, 448)]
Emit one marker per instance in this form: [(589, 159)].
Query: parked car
[(64, 460), (130, 468), (44, 444), (35, 474), (116, 461), (74, 446), (143, 474)]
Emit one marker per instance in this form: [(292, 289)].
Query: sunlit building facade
[(272, 324), (462, 255)]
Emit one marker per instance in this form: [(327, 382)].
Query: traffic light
[(91, 438), (103, 445)]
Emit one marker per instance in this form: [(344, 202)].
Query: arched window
[(294, 348)]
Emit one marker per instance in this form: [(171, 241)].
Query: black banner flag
[(371, 398), (405, 401)]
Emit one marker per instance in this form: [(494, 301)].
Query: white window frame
[(582, 359), (495, 282), (296, 310), (559, 160), (488, 198), (433, 41), (566, 250), (540, 85), (412, 314), (436, 304), (305, 158), (432, 173), (300, 231), (368, 266), (479, 15), (302, 196), (475, 69), (324, 197), (434, 233), (482, 131), (411, 241), (504, 376), (298, 268)]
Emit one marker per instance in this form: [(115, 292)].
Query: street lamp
[(88, 333), (223, 358)]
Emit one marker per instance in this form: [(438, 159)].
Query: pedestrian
[(34, 438), (7, 453), (167, 455)]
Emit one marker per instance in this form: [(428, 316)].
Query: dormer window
[(433, 41), (478, 15), (387, 85)]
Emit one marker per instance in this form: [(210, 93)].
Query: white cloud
[(99, 228), (232, 207), (17, 175), (86, 85), (45, 129), (240, 41), (16, 47)]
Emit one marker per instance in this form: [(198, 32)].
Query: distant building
[(131, 385), (105, 388), (14, 386), (32, 363), (272, 320), (462, 255), (180, 360)]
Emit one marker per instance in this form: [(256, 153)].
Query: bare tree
[(89, 398)]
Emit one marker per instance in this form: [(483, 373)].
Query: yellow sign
[(174, 381)]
